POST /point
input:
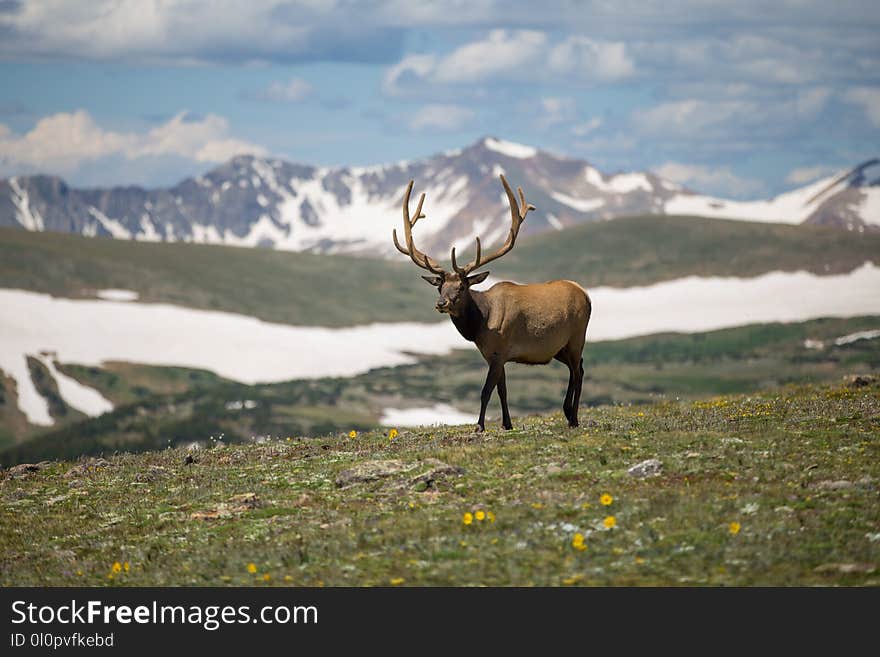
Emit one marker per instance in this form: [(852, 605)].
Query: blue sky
[(743, 101)]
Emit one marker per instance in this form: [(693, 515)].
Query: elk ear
[(477, 278), (436, 281)]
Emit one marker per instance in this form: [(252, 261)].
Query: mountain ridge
[(269, 202)]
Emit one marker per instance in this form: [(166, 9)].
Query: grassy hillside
[(644, 250), (294, 288), (172, 406), (290, 288), (779, 488)]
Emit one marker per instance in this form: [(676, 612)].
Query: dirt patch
[(233, 506)]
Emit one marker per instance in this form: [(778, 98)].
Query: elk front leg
[(496, 371), (502, 395)]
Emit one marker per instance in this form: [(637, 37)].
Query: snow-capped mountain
[(251, 201)]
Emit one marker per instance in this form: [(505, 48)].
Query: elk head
[(453, 286)]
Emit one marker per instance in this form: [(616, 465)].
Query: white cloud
[(554, 110), (690, 116), (408, 70), (712, 180), (440, 117), (501, 52), (698, 119), (62, 142), (583, 129), (869, 99), (512, 55), (294, 90), (804, 175), (588, 58)]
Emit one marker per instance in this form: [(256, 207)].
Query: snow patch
[(696, 304), (30, 219), (855, 337), (553, 221), (115, 228), (359, 219), (624, 183), (579, 204), (870, 207), (425, 416), (148, 230), (113, 294), (509, 148), (83, 398), (790, 208), (30, 401)]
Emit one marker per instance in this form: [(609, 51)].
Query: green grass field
[(772, 488)]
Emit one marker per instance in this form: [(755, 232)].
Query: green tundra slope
[(776, 488)]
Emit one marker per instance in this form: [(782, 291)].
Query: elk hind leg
[(562, 357), (576, 401)]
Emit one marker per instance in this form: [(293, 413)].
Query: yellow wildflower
[(352, 434), (288, 578), (537, 505), (467, 518), (252, 568), (490, 516), (606, 499), (116, 567), (267, 577), (392, 434), (480, 515), (734, 528), (397, 581), (578, 542), (126, 567), (610, 522)]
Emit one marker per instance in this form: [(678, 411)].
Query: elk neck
[(472, 320)]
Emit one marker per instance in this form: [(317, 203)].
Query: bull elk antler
[(518, 214), (421, 259)]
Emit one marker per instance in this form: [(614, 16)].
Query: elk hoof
[(573, 423), (479, 428), (508, 426)]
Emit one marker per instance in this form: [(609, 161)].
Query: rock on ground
[(429, 471), (649, 468)]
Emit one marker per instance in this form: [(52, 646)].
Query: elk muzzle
[(442, 306)]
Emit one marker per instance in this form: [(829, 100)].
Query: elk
[(531, 324)]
